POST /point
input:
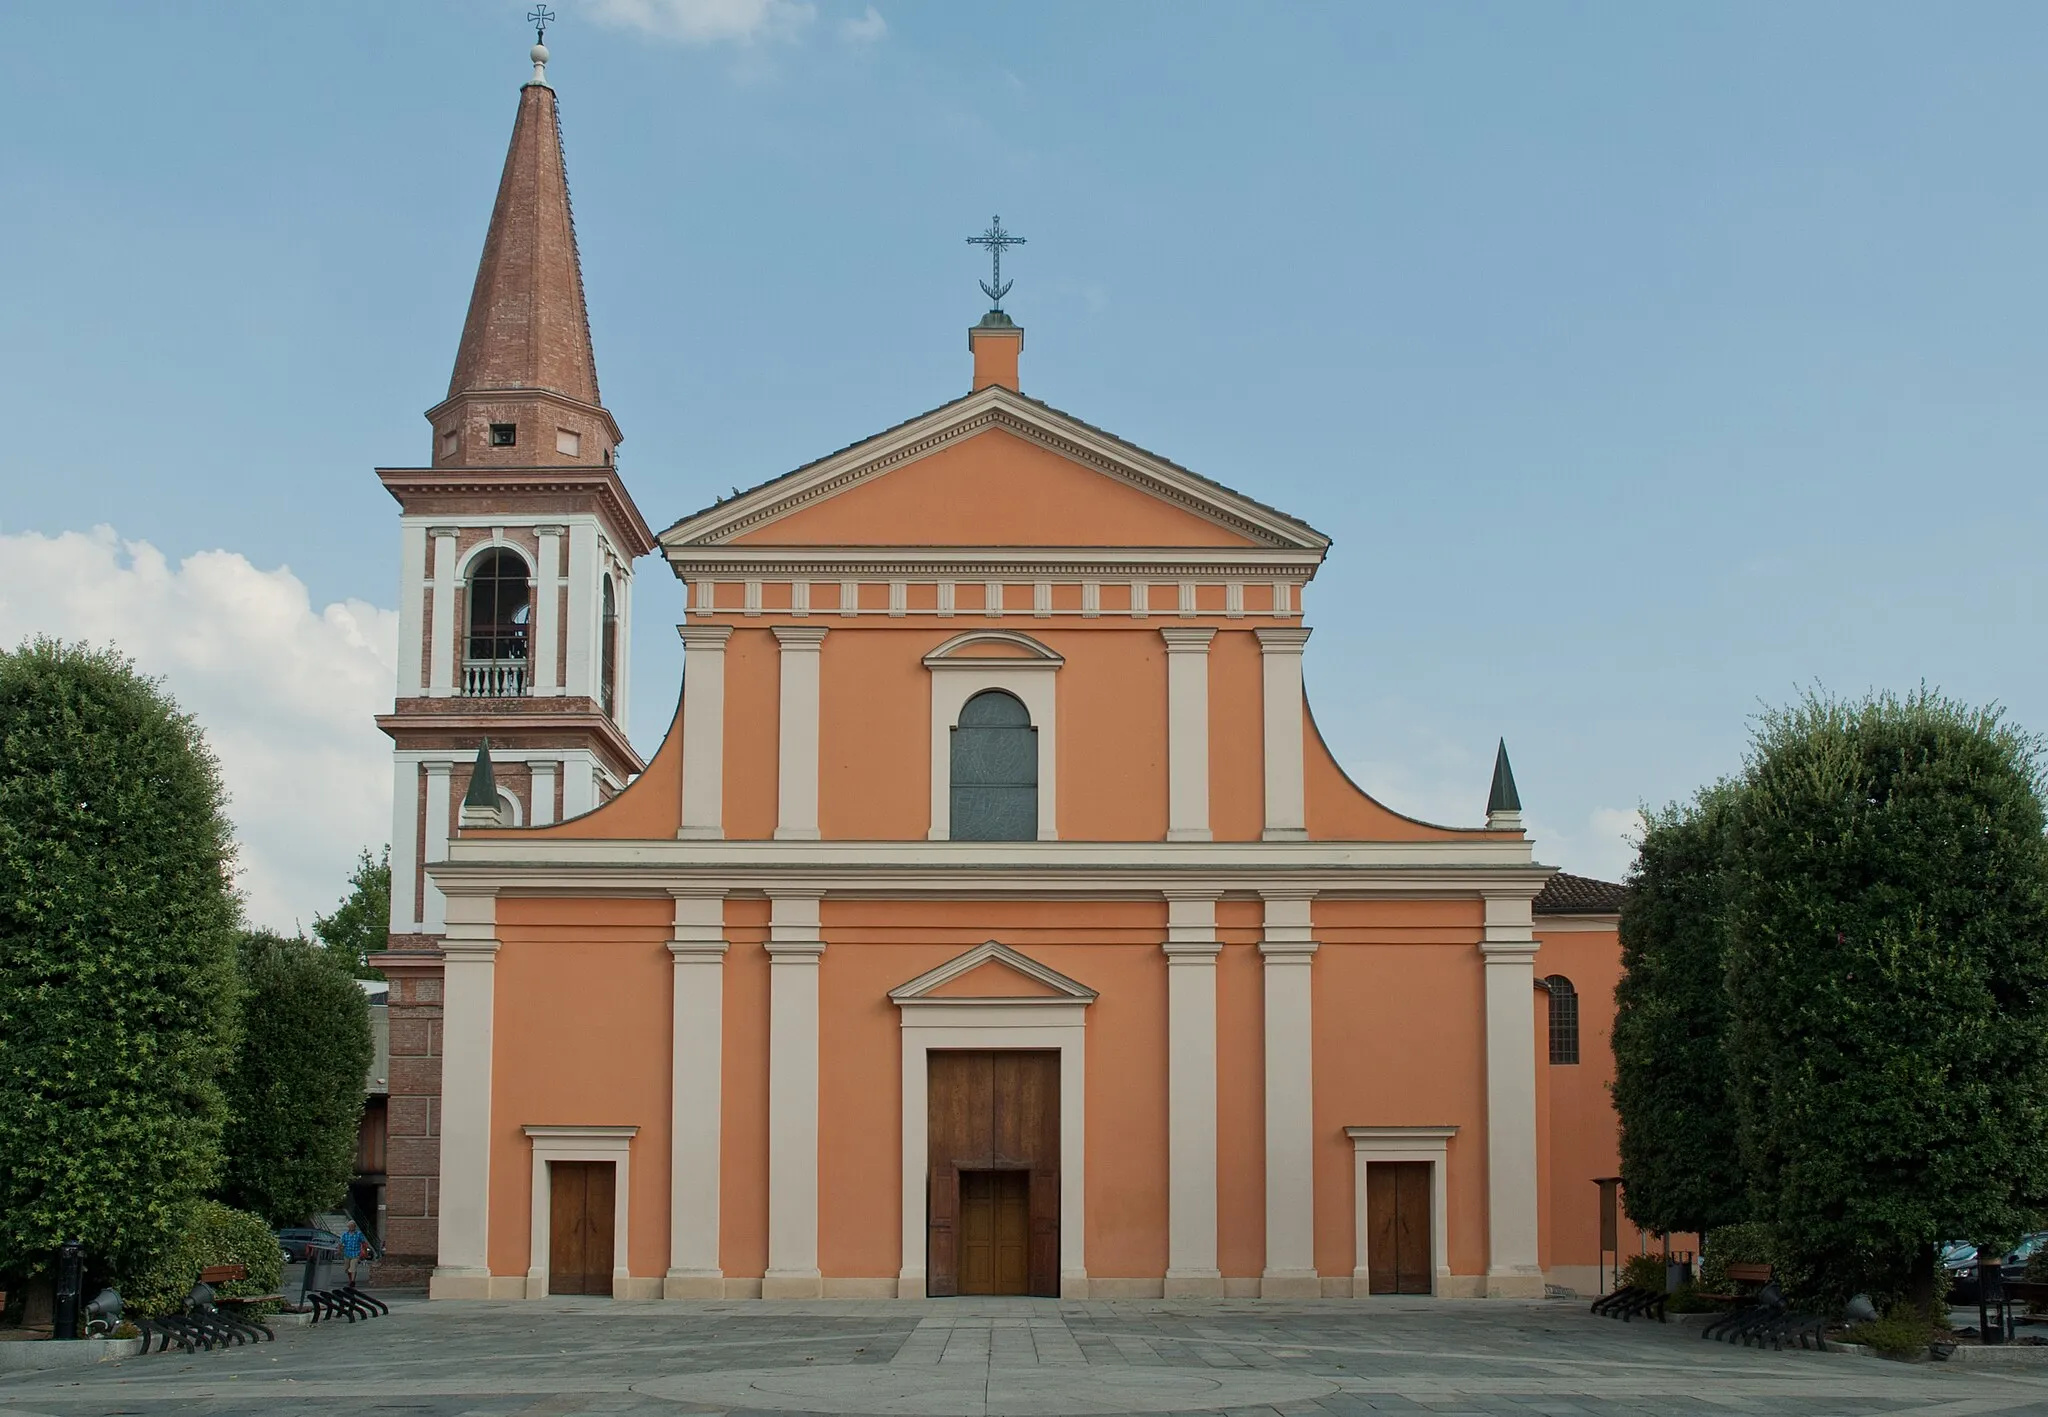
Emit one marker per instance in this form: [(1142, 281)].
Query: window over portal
[(1564, 1019), (995, 771)]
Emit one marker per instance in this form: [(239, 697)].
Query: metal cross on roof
[(540, 19), (995, 238)]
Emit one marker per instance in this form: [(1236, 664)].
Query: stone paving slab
[(1010, 1358)]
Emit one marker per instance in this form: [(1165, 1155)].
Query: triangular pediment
[(995, 469), (992, 973)]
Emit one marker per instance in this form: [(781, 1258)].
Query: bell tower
[(517, 543)]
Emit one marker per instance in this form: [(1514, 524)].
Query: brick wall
[(413, 1142)]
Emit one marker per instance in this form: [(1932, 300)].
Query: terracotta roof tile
[(1566, 894)]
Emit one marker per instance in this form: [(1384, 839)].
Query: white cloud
[(285, 693), (1604, 848), (865, 30), (708, 21)]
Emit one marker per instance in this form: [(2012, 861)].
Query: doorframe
[(613, 1144), (1053, 1025), (1427, 1144)]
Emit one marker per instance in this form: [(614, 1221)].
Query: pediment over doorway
[(992, 973)]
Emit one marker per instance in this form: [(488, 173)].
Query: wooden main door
[(992, 1139), (1398, 1245), (580, 1227)]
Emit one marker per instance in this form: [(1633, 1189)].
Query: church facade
[(992, 917)]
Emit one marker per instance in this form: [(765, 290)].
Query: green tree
[(117, 958), (1888, 986), (358, 928), (1680, 1167), (297, 1090)]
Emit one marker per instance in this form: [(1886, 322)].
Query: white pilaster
[(695, 1084), (434, 909), (1289, 948), (796, 776), (794, 948), (541, 810), (543, 666), (412, 608), (468, 973), (1191, 950), (1187, 733), (1509, 948), (1286, 800), (581, 662), (405, 847), (579, 783), (703, 808), (444, 654)]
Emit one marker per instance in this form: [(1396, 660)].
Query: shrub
[(1643, 1272), (117, 967), (1902, 1333), (209, 1233), (297, 1090), (1748, 1243)]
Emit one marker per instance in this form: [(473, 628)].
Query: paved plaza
[(1010, 1358)]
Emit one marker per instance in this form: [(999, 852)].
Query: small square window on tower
[(449, 439), (504, 435), (569, 442)]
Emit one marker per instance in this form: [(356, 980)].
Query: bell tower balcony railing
[(494, 678)]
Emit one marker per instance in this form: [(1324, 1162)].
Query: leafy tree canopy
[(117, 958), (1887, 948), (358, 927), (296, 1093), (1680, 1166)]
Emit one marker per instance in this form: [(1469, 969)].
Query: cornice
[(601, 479), (926, 563)]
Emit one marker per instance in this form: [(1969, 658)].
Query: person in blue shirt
[(351, 1249)]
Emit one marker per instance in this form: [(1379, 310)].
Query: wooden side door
[(580, 1200), (1398, 1243)]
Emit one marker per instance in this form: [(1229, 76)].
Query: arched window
[(995, 771), (1564, 1019), (609, 645), (500, 607)]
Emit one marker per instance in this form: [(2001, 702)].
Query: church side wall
[(1240, 1095), (743, 1163)]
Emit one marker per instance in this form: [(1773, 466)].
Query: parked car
[(307, 1242), (1959, 1259)]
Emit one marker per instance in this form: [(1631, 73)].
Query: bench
[(215, 1274)]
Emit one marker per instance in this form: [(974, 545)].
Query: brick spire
[(528, 332)]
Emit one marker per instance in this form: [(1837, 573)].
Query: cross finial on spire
[(540, 18), (995, 238)]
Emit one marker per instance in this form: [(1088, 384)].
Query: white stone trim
[(545, 661), (468, 994), (794, 948), (1286, 798), (1060, 1025), (441, 649), (796, 776), (405, 847), (703, 805), (412, 608), (579, 785), (1187, 730), (613, 1144), (1430, 1144), (580, 670), (544, 773), (1289, 949), (434, 909), (1191, 1128), (1509, 950), (956, 677), (922, 989), (696, 1095)]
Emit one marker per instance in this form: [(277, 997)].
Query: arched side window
[(500, 612), (1564, 1019), (608, 646), (995, 770)]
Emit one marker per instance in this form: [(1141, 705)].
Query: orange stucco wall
[(581, 1038)]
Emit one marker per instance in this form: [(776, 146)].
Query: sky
[(1649, 365)]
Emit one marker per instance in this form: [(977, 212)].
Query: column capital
[(444, 531), (800, 637), (795, 950), (706, 635), (469, 951), (1289, 951), (695, 951), (1282, 639), (551, 531), (1509, 951), (1187, 639), (1192, 951)]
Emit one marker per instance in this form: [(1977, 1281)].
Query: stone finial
[(1503, 803), (480, 806)]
